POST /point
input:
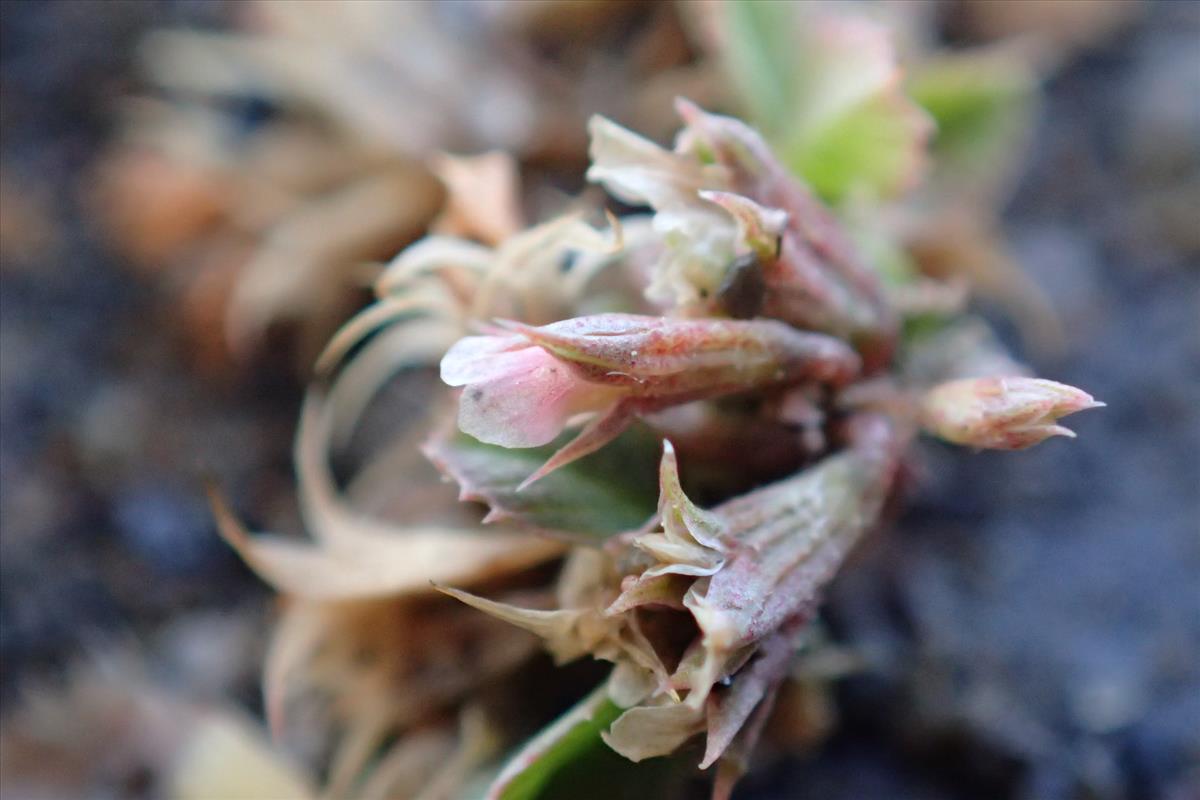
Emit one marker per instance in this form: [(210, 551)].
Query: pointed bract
[(756, 567)]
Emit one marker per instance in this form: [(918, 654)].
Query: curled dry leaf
[(481, 197), (298, 266), (356, 556), (393, 563), (108, 725), (458, 283), (353, 675)]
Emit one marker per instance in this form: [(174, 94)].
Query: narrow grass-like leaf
[(568, 738)]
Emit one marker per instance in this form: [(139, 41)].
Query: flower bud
[(1001, 413)]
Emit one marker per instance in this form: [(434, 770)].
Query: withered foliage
[(269, 168)]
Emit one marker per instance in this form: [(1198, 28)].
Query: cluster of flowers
[(758, 293), (773, 335)]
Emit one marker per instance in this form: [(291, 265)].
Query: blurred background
[(189, 192)]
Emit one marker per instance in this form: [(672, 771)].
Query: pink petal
[(526, 400), (481, 358)]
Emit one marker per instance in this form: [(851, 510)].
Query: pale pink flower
[(522, 388), (518, 394)]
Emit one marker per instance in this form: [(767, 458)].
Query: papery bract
[(519, 395), (761, 558)]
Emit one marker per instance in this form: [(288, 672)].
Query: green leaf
[(874, 146), (824, 88), (761, 59), (568, 738), (569, 760), (607, 492), (983, 103)]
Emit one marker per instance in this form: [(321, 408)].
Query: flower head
[(747, 573), (721, 195), (1001, 413), (518, 394)]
